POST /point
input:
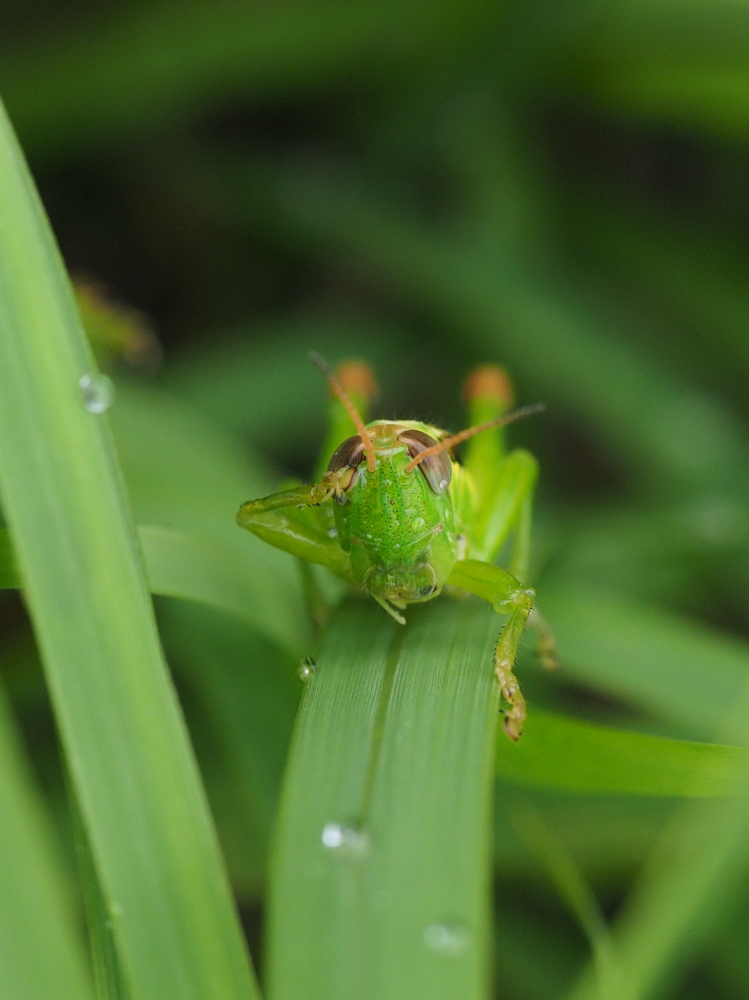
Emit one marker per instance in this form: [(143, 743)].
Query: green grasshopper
[(394, 513)]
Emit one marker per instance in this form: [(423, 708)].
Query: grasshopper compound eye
[(437, 469), (350, 453)]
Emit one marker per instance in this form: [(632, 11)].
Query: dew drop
[(450, 939), (345, 839), (306, 669), (115, 910), (97, 392)]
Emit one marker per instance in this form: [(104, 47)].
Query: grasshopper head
[(397, 524)]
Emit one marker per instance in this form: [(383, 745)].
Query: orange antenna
[(337, 389), (508, 418)]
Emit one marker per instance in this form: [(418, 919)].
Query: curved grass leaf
[(379, 885), (689, 881), (564, 753), (137, 785), (665, 664), (188, 475), (214, 572), (39, 953), (556, 752), (245, 696), (207, 570), (686, 884), (9, 578)]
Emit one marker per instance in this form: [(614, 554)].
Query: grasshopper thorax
[(398, 524)]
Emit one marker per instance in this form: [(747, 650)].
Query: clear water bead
[(449, 939), (306, 669), (345, 839), (97, 392)]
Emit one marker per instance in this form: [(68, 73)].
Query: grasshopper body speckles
[(396, 514)]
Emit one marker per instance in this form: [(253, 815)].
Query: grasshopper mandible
[(394, 513)]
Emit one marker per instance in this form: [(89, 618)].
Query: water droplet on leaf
[(97, 392), (345, 839), (306, 669), (449, 938)]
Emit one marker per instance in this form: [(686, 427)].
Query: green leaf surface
[(212, 571), (243, 697), (186, 474), (564, 753), (679, 899), (138, 788), (40, 955), (556, 752), (208, 570), (663, 663), (391, 769), (9, 578)]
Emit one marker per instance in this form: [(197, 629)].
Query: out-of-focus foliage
[(557, 187)]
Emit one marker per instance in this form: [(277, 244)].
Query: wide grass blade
[(137, 785), (556, 752), (689, 880), (195, 568), (245, 697), (39, 953), (213, 572), (565, 753), (380, 879), (185, 472), (663, 663)]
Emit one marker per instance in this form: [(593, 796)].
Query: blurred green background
[(557, 187)]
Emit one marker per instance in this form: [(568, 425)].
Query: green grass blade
[(185, 472), (564, 753), (574, 889), (690, 877), (9, 578), (213, 572), (391, 766), (39, 954), (688, 882), (556, 752), (136, 781), (107, 970), (661, 662), (246, 696), (196, 568)]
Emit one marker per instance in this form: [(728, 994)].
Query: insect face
[(397, 523), (407, 519)]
